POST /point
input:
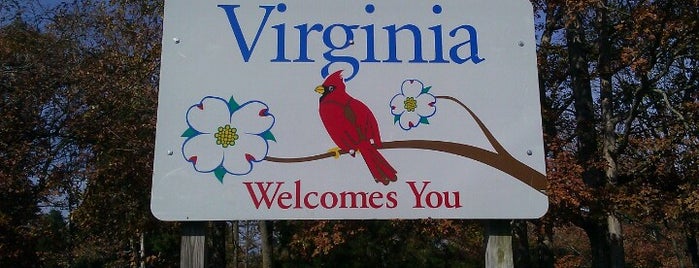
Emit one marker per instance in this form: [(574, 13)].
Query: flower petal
[(238, 158), (398, 104), (409, 120), (252, 118), (426, 105), (203, 152), (208, 115), (411, 87)]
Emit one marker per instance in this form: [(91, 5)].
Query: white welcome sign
[(348, 110)]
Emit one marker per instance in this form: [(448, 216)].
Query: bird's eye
[(331, 88)]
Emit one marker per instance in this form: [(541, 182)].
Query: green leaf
[(423, 120), (190, 132), (233, 105), (426, 89), (396, 118), (267, 135), (220, 172)]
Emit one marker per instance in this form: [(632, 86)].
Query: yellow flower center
[(226, 136), (410, 104)]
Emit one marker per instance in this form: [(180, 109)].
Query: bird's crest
[(335, 79)]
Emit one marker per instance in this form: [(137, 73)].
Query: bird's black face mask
[(326, 90)]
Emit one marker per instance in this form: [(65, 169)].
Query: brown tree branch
[(493, 141), (503, 162)]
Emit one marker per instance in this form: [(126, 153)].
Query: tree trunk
[(249, 243), (217, 244), (548, 112), (604, 231), (605, 242), (544, 230), (585, 129), (544, 240), (615, 241), (692, 248), (520, 244), (597, 233), (609, 138), (233, 245), (142, 251), (266, 237)]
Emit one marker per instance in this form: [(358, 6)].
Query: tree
[(398, 243), (609, 73), (117, 85), (79, 88), (35, 103)]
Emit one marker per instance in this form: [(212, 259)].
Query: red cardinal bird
[(352, 127)]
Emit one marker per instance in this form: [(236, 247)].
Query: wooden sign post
[(498, 252), (193, 247)]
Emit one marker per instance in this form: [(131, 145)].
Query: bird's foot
[(335, 150), (354, 153), (386, 180), (383, 181)]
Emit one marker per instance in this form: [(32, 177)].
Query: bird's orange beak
[(320, 89)]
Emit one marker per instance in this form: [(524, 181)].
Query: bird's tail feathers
[(380, 169)]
